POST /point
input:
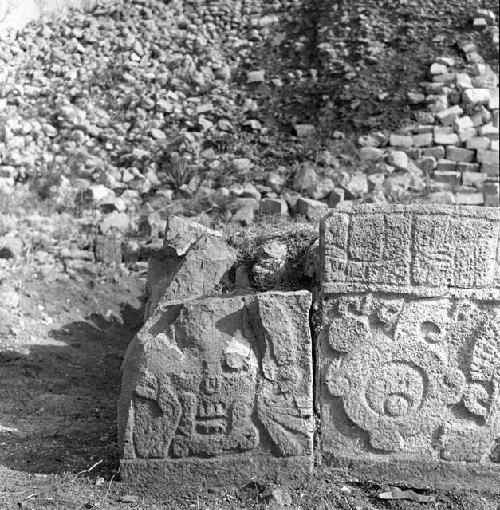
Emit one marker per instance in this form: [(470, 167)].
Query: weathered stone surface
[(410, 380), (198, 273), (182, 233), (416, 379), (271, 262), (424, 251), (215, 388)]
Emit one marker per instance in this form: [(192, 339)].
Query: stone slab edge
[(188, 475), (417, 474)]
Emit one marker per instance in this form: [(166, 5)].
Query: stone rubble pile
[(131, 113), (454, 144)]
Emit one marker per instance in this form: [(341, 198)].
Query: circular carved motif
[(396, 389)]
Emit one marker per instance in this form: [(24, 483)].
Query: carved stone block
[(415, 249), (219, 388), (409, 356)]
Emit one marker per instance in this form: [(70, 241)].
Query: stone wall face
[(219, 389), (410, 344)]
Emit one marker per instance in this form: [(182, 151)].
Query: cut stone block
[(446, 165), (451, 177), (463, 82), (400, 140), (470, 198), (438, 69), (409, 247), (450, 115), (437, 152), (491, 194), (468, 167), (423, 139), (491, 169), (459, 155), (446, 138), (467, 134), (409, 377), (274, 206), (477, 96), (218, 389), (478, 142), (463, 123), (473, 178), (445, 78), (311, 208), (398, 159), (488, 157), (494, 100), (489, 131)]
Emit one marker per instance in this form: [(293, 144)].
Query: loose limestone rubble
[(454, 142), (218, 385)]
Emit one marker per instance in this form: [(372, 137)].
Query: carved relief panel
[(411, 376), (219, 377)]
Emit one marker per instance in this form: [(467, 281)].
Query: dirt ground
[(61, 344)]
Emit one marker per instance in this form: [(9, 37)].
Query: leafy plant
[(178, 170)]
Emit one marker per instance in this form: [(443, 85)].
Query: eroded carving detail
[(410, 247), (403, 370), (222, 376)]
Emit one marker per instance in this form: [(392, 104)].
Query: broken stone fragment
[(467, 134), (10, 247), (271, 262), (335, 197), (477, 96), (463, 123), (436, 152), (358, 185), (321, 189), (244, 216), (445, 165), (450, 115), (398, 159), (310, 208), (491, 194), (438, 69), (463, 82), (116, 223), (371, 154), (274, 206), (256, 76), (305, 130), (415, 97), (489, 131), (182, 233), (247, 190), (305, 178), (242, 165), (199, 272)]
